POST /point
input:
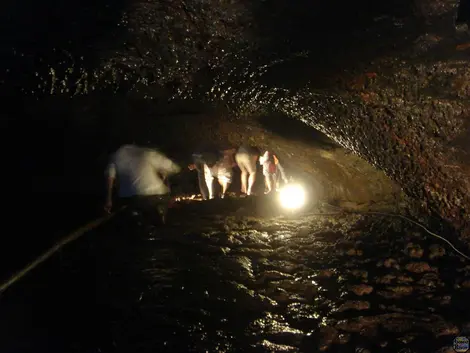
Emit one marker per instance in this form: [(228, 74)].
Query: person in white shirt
[(141, 173)]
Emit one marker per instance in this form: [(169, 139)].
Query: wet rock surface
[(228, 276)]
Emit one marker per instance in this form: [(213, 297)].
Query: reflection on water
[(225, 278)]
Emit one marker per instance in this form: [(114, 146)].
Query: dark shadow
[(306, 22), (294, 130), (35, 36), (463, 15), (46, 218), (337, 35), (117, 289)]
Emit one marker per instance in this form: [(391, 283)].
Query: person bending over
[(141, 173), (206, 157)]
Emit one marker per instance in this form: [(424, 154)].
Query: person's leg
[(131, 216), (269, 183), (252, 174), (225, 179), (202, 182), (135, 210), (147, 209), (277, 184), (224, 183), (251, 182), (244, 173), (244, 181), (162, 207), (209, 178)]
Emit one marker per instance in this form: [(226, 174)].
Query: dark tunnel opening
[(50, 32), (463, 14)]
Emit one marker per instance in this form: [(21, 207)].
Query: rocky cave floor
[(232, 276)]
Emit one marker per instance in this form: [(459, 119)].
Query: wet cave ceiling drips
[(388, 81)]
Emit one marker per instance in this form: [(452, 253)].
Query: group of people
[(142, 174), (212, 164)]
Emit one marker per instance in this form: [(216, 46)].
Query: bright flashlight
[(292, 196)]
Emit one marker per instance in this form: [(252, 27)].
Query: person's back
[(210, 158), (136, 169), (248, 149), (140, 173)]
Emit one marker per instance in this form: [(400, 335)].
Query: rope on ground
[(406, 219), (56, 247)]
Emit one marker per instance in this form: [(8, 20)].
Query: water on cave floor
[(227, 276)]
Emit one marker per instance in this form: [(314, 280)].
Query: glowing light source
[(292, 196)]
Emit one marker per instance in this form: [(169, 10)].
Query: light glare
[(292, 196)]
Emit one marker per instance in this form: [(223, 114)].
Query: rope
[(56, 247), (402, 217)]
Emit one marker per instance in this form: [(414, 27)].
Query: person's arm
[(283, 173), (164, 165), (171, 167), (281, 169), (110, 180), (262, 159)]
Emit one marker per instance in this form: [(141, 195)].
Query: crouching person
[(142, 177)]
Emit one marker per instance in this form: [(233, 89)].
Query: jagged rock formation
[(388, 81)]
